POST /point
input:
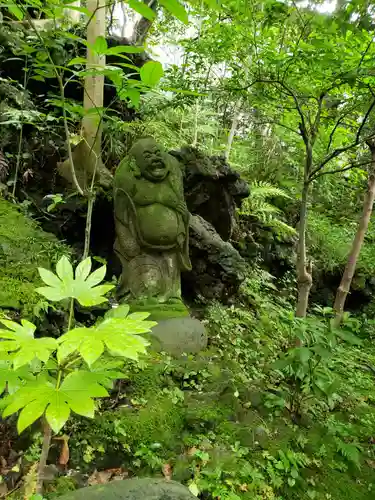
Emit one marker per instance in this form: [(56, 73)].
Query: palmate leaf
[(82, 287), (118, 334), (21, 342), (75, 394), (10, 379)]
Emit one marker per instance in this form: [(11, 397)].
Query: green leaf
[(83, 406), (119, 334), (151, 73), (80, 384), (142, 9), (348, 337), (133, 95), (81, 288), (304, 354), (177, 9), (91, 349), (58, 411), (49, 277), (52, 294), (16, 11), (22, 343), (77, 60), (100, 46), (64, 269), (83, 269), (118, 312), (30, 414), (127, 49)]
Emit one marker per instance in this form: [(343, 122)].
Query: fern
[(350, 451), (262, 190), (257, 206)]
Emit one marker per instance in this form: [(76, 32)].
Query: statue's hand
[(182, 209)]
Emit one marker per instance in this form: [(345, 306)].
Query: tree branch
[(344, 169), (272, 122), (337, 152)]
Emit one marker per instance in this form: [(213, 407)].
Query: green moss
[(159, 311), (23, 248)]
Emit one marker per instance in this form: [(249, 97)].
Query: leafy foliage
[(53, 380)]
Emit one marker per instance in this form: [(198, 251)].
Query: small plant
[(306, 369), (47, 378)]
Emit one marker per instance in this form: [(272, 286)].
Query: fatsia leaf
[(58, 411), (91, 349), (83, 287), (12, 379), (64, 269), (30, 414), (118, 312), (83, 269), (120, 335), (76, 394), (49, 277), (22, 343)]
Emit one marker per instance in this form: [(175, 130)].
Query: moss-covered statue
[(152, 223)]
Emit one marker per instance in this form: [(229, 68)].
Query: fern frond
[(349, 450), (263, 190)]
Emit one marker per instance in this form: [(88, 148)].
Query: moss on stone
[(23, 248), (159, 311)]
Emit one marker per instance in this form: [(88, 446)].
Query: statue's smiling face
[(152, 164)]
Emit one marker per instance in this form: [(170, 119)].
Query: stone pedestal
[(179, 335), (133, 489)]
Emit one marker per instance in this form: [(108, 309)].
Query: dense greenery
[(280, 406)]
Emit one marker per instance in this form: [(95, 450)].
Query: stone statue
[(152, 223)]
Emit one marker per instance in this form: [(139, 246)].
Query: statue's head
[(151, 159)]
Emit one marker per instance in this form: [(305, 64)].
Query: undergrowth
[(252, 417)]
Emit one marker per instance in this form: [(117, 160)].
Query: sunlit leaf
[(151, 73), (142, 8), (176, 8), (83, 287)]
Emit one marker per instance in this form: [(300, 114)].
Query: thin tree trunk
[(94, 83), (73, 15), (347, 277), (47, 434), (304, 277), (233, 128)]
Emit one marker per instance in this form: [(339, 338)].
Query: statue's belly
[(158, 225)]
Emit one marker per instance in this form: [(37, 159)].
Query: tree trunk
[(94, 83), (47, 434), (304, 269), (233, 128), (73, 15), (357, 243)]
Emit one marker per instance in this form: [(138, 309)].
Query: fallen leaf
[(64, 454), (167, 471), (371, 463), (244, 487), (3, 490), (192, 451), (101, 477)]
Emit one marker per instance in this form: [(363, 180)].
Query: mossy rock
[(179, 335), (23, 248), (133, 489)]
